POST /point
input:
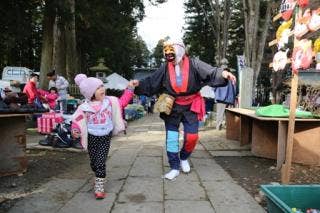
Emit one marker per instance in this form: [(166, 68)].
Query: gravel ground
[(42, 167), (251, 172)]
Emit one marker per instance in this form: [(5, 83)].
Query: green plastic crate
[(282, 198)]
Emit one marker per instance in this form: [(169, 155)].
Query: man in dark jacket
[(225, 97), (182, 77)]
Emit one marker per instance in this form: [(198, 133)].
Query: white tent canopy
[(116, 81)]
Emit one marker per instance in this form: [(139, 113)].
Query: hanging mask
[(314, 23), (280, 60), (302, 55), (303, 3), (286, 9), (301, 27)]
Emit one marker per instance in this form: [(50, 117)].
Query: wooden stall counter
[(13, 158), (268, 136)]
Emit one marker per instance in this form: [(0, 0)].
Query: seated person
[(11, 97), (31, 89)]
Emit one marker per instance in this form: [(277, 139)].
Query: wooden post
[(286, 168), (285, 171)]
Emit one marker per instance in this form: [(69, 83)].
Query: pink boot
[(99, 188)]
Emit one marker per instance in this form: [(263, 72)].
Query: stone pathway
[(135, 167)]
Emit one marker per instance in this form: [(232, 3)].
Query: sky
[(166, 19)]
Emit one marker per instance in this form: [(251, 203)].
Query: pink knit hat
[(88, 86)]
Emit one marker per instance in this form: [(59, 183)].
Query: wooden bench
[(268, 136)]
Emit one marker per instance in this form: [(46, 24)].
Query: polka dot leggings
[(98, 149)]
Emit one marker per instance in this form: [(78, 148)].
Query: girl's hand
[(75, 133), (133, 83), (43, 99), (229, 76)]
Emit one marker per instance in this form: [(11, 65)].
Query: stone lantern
[(100, 71)]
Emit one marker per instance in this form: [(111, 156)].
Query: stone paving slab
[(186, 177), (135, 167), (146, 139), (200, 154), (85, 202), (209, 170), (214, 143), (141, 189), (165, 159), (147, 167), (182, 190), (152, 151), (117, 172), (230, 153), (227, 196), (53, 196), (122, 157), (199, 146), (143, 207), (156, 132), (174, 206)]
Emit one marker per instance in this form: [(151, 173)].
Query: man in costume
[(182, 78)]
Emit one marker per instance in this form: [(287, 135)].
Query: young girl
[(95, 121), (50, 96)]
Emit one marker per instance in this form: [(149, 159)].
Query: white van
[(20, 74)]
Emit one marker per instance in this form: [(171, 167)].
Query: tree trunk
[(225, 27), (71, 50), (60, 49), (211, 23), (246, 31), (254, 44), (255, 16), (47, 43), (218, 27), (217, 22), (262, 43)]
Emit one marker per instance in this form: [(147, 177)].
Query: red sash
[(197, 104), (185, 76)]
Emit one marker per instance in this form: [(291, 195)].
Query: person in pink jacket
[(95, 121), (50, 96)]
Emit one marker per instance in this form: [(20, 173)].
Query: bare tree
[(255, 41), (219, 24), (59, 49), (71, 50), (47, 43), (59, 40), (225, 27)]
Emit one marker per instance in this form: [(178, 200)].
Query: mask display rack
[(292, 31)]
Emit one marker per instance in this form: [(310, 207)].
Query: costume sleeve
[(235, 92), (152, 84), (125, 98), (212, 76)]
